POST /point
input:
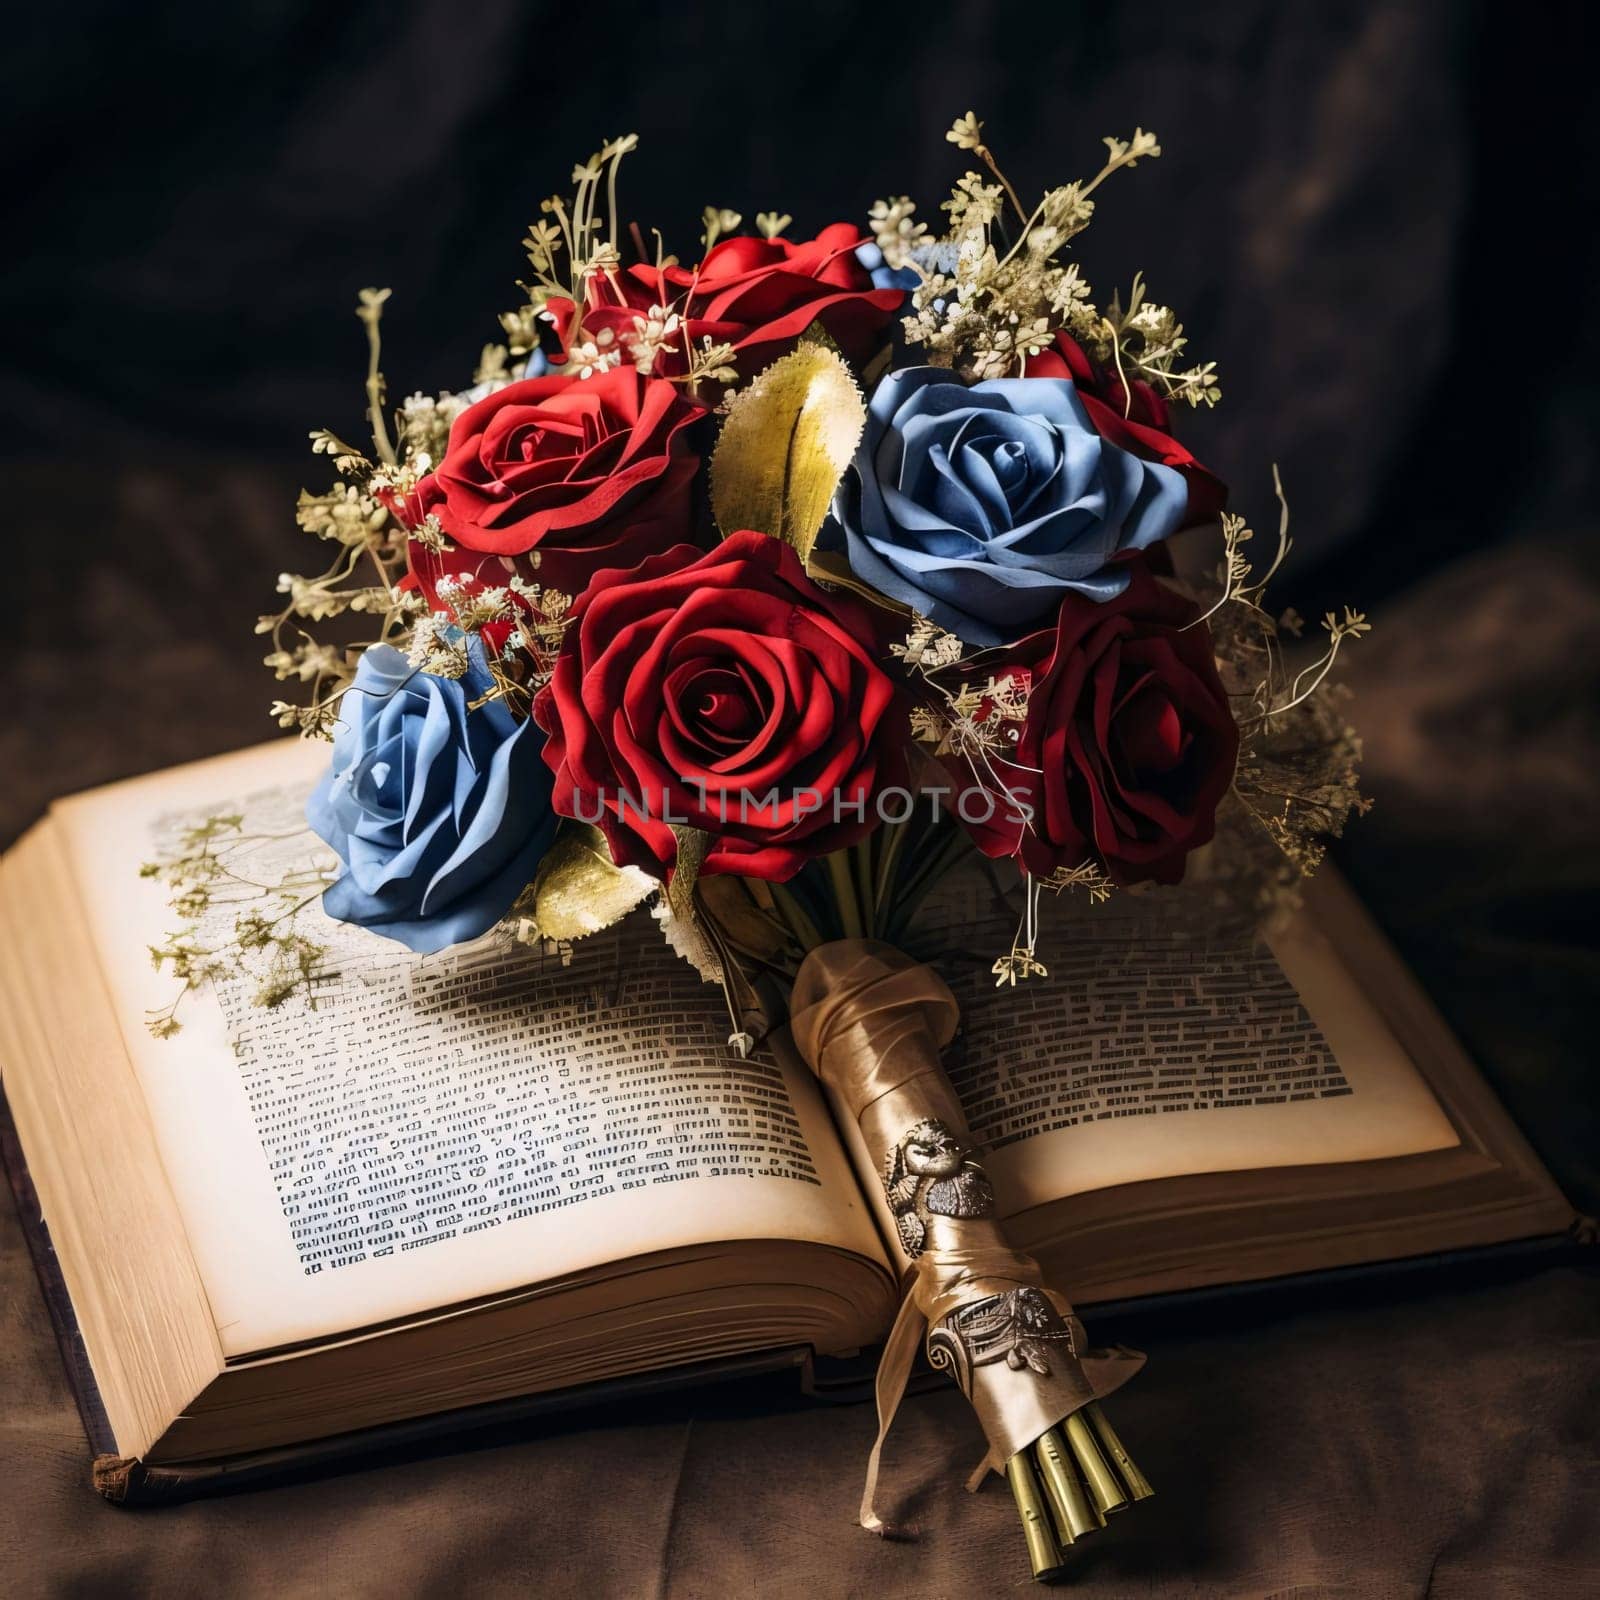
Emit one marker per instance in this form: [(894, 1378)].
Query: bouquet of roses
[(764, 586)]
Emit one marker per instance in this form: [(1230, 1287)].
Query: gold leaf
[(832, 566), (694, 845), (681, 922), (785, 444), (579, 890)]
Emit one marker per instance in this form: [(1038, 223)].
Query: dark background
[(1372, 215), (1376, 217)]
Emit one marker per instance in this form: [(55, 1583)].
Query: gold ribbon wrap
[(871, 1023)]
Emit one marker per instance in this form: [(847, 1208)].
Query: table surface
[(1418, 1438)]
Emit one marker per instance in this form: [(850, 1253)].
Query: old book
[(445, 1184)]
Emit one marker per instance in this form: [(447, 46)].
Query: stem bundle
[(1080, 1472)]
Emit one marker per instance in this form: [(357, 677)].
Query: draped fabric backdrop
[(1370, 214)]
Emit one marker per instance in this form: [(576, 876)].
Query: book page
[(430, 1130), (1162, 1044)]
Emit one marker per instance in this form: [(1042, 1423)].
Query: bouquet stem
[(840, 875), (872, 1022), (1044, 1554), (1076, 1513), (1084, 1474), (1137, 1484)]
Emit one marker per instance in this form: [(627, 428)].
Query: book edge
[(53, 1288), (40, 853)]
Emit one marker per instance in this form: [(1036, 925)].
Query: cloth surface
[(1421, 1440)]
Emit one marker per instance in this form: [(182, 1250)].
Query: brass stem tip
[(1104, 1486), (1075, 1512), (1044, 1554), (1137, 1484)]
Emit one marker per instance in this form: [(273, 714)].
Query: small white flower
[(655, 328), (588, 358)]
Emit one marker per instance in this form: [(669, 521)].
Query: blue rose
[(439, 813), (932, 255), (980, 507), (883, 275)]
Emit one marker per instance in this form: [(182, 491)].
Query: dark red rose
[(1134, 417), (694, 688), (559, 476), (759, 295), (1128, 744)]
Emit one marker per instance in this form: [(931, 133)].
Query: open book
[(498, 1171)]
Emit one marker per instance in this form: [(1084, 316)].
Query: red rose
[(1140, 422), (564, 475), (759, 295), (1128, 743), (725, 692)]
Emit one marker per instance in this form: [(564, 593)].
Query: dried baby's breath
[(996, 291), (209, 872), (895, 230), (966, 132), (654, 331), (599, 354), (927, 647), (1297, 783), (716, 221)]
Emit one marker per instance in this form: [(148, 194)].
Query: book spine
[(770, 1376)]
